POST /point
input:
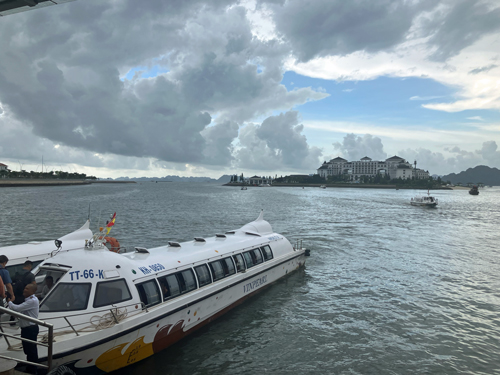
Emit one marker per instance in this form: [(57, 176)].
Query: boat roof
[(175, 255), (17, 254)]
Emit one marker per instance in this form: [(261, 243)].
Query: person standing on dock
[(4, 274), (29, 330)]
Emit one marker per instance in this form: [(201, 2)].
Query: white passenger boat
[(322, 187), (110, 310), (426, 201)]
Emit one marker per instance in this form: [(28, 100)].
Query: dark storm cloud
[(460, 24), (218, 138), (338, 27), (277, 142), (61, 74)]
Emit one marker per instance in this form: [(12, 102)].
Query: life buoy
[(112, 244)]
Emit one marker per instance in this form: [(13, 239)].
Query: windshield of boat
[(67, 297), (43, 274)]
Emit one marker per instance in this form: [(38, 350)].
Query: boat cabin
[(94, 279)]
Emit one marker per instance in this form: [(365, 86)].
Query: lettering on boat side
[(272, 238), (151, 268), (86, 274), (254, 284)]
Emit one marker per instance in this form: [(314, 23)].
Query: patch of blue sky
[(146, 72), (391, 102)]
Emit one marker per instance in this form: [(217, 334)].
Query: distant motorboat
[(424, 201), (322, 187), (474, 190), (243, 188)]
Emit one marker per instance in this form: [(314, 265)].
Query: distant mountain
[(481, 173), (222, 179)]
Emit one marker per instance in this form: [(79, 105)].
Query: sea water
[(389, 288)]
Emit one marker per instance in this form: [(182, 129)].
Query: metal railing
[(298, 244), (115, 315), (49, 343)]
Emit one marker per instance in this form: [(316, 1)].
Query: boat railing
[(98, 319), (298, 244), (48, 344)]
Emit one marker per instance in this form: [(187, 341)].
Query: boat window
[(164, 287), (67, 297), (17, 271), (186, 280), (111, 292), (268, 254), (170, 286), (248, 259), (203, 274), (240, 264), (228, 266), (217, 270), (257, 256), (42, 274), (149, 293)]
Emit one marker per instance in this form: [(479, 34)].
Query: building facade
[(257, 180), (3, 167), (395, 167)]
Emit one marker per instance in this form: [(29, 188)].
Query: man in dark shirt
[(26, 278)]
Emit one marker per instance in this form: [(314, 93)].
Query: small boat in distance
[(474, 190), (425, 201), (322, 187), (243, 188)]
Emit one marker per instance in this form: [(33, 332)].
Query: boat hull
[(108, 351), (434, 204)]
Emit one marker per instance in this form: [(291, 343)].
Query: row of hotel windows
[(75, 296)]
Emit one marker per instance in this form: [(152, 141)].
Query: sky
[(116, 88)]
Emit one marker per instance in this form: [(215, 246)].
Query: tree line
[(60, 175)]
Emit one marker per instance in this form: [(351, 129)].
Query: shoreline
[(41, 182), (357, 186)]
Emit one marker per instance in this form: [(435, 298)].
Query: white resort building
[(395, 167), (257, 180)]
